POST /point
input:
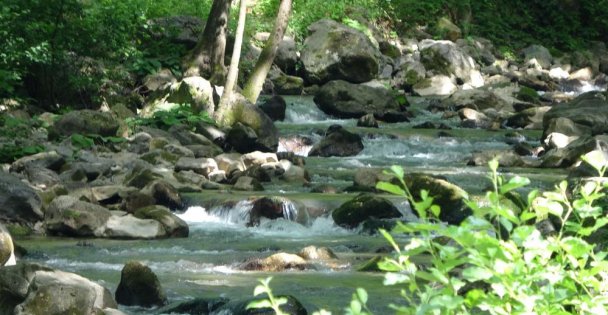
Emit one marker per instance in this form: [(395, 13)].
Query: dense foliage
[(77, 53)]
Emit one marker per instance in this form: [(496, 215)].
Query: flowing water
[(206, 263)]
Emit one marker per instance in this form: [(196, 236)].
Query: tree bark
[(254, 85), (224, 114), (207, 58)]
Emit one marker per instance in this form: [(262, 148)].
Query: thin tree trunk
[(207, 58), (254, 85), (224, 114)]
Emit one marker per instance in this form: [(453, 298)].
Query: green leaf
[(362, 295), (82, 142), (398, 171), (473, 274), (390, 188), (514, 183), (597, 160), (260, 289), (259, 304)]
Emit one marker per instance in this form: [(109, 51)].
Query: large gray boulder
[(85, 122), (181, 29), (139, 286), (265, 133), (18, 201), (334, 51), (540, 54), (337, 142), (588, 115), (440, 85), (69, 216), (348, 100), (446, 58), (53, 292), (478, 99)]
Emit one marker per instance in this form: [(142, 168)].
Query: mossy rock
[(527, 94), (139, 286), (363, 207), (173, 225), (449, 197)]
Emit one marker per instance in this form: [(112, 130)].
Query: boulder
[(449, 197), (448, 30), (287, 84), (337, 142), (180, 29), (18, 201), (287, 56), (294, 173), (588, 114), (347, 100), (275, 263), (334, 51), (292, 307), (51, 160), (7, 249), (14, 283), (482, 50), (251, 116), (186, 136), (203, 166), (367, 121), (506, 158), (474, 119), (197, 306), (246, 183), (446, 58), (272, 208), (127, 226), (194, 90), (540, 54), (361, 208), (439, 85), (139, 286), (69, 216), (408, 72), (275, 107), (56, 292), (570, 154), (317, 253), (85, 122), (478, 99), (166, 195), (366, 179), (159, 81), (172, 224)]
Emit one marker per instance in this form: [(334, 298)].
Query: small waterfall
[(290, 211)]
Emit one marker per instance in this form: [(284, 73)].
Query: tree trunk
[(224, 115), (207, 58), (254, 85)]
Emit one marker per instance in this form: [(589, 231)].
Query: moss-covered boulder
[(347, 100), (86, 122), (172, 224), (363, 207), (334, 51), (56, 292), (139, 286), (446, 58), (449, 197), (337, 142)]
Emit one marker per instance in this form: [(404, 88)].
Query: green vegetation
[(165, 119), (498, 261), (15, 128)]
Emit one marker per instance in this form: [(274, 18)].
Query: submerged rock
[(139, 286), (317, 253), (276, 262), (292, 307), (363, 207)]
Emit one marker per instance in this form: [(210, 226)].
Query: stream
[(205, 264)]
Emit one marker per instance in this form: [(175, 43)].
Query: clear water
[(206, 263)]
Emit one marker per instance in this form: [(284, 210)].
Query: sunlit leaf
[(259, 304), (390, 188)]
